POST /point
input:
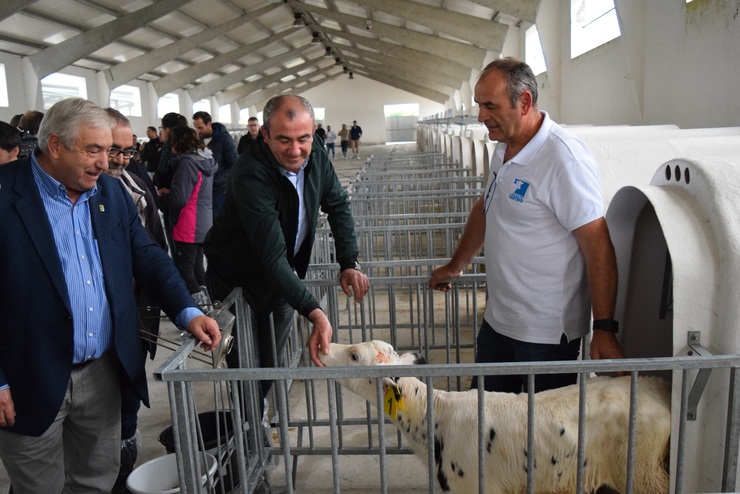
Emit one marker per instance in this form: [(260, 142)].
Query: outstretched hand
[(354, 282), (206, 330), (441, 276)]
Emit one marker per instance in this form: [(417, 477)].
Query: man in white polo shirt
[(550, 262)]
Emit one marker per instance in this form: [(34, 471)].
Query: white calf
[(556, 430)]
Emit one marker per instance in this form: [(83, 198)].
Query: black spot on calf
[(491, 437), (439, 446)]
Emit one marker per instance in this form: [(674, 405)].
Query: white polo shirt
[(536, 274)]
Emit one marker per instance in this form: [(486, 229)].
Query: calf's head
[(373, 352)]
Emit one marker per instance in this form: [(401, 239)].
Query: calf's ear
[(412, 359)]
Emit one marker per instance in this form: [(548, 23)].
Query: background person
[(119, 156), (355, 133), (165, 171), (253, 130), (549, 258), (71, 243), (223, 147), (344, 139), (330, 139), (10, 143), (189, 202), (151, 152)]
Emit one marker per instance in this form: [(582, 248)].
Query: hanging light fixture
[(298, 19), (346, 69), (351, 76), (316, 38), (337, 62), (328, 52)]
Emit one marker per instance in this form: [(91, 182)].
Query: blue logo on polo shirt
[(520, 192)]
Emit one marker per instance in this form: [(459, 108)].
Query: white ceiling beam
[(408, 86), (250, 87), (485, 33), (416, 57), (58, 56), (10, 7), (260, 96), (464, 54), (525, 10), (131, 69), (214, 86), (406, 75), (425, 75), (189, 75)]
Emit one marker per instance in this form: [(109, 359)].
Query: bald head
[(289, 105)]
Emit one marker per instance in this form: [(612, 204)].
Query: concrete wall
[(362, 99)]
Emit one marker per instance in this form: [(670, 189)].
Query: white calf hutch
[(677, 244)]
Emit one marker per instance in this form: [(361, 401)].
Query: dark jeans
[(190, 264), (218, 202), (330, 148), (270, 351), (495, 347), (344, 148)]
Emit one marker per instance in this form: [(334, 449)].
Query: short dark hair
[(185, 139), (153, 129), (16, 120), (31, 121), (173, 119), (253, 119), (9, 137), (519, 76), (203, 115)]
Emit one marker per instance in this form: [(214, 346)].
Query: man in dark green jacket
[(263, 238)]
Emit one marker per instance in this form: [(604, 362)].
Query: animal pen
[(410, 211)]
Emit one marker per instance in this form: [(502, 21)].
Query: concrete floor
[(358, 474)]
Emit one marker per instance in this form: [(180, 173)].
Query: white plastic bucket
[(159, 476)]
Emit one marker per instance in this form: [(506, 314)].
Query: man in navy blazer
[(71, 243)]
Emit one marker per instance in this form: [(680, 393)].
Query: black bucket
[(216, 427), (208, 423)]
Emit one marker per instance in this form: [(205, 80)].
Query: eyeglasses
[(114, 152)]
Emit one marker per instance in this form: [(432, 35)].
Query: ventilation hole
[(678, 174), (668, 172), (686, 176)]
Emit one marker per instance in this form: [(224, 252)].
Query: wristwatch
[(606, 325), (353, 265)]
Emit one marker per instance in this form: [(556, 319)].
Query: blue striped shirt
[(83, 273)]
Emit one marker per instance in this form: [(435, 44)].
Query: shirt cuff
[(4, 386), (186, 315)]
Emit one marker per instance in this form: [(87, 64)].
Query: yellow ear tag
[(392, 401)]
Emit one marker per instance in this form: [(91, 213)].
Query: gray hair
[(119, 118), (67, 117), (278, 102), (519, 76)]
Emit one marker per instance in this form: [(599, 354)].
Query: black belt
[(82, 365)]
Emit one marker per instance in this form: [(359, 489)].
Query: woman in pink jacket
[(190, 202)]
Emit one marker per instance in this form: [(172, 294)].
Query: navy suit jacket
[(36, 332)]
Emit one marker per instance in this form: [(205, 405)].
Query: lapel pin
[(101, 208)]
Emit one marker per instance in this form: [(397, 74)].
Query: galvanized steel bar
[(732, 435)]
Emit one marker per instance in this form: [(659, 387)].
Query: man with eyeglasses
[(119, 158), (71, 242)]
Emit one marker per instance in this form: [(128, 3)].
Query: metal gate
[(409, 211)]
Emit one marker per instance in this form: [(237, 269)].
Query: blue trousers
[(495, 347)]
